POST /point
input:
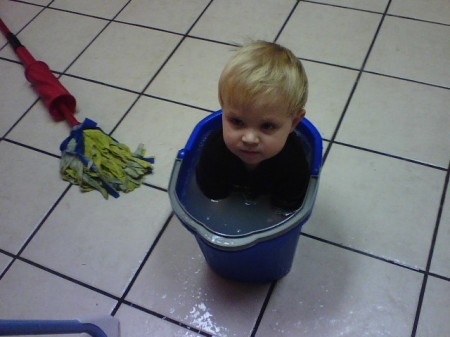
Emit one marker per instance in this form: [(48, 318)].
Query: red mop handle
[(67, 113), (59, 101), (20, 50)]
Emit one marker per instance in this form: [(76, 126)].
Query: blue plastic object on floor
[(101, 327), (250, 244)]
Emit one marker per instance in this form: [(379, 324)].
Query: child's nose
[(250, 137)]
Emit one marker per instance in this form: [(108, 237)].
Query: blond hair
[(261, 73)]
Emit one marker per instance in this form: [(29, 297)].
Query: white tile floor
[(374, 260)]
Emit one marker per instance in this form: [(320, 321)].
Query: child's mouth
[(247, 155), (250, 153)]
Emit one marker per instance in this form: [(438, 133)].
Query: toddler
[(262, 91)]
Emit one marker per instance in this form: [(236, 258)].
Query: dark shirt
[(284, 177)]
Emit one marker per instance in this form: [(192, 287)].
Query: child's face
[(257, 133)]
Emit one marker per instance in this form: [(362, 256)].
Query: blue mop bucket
[(240, 245)]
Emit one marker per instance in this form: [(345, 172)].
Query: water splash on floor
[(201, 318)]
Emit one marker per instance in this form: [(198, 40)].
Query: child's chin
[(251, 164)]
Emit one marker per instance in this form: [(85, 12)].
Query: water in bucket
[(233, 216)]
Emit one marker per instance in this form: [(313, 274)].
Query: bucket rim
[(245, 240), (240, 241)]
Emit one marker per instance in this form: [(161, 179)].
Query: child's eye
[(236, 122), (268, 126)]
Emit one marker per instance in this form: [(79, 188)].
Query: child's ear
[(297, 119)]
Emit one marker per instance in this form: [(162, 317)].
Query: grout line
[(67, 278), (27, 242), (160, 68), (33, 234), (418, 20), (430, 254), (406, 79), (444, 278), (168, 319), (102, 83), (109, 21), (120, 300), (230, 44), (393, 156), (347, 104), (138, 25), (263, 308), (97, 290), (377, 12), (305, 1), (28, 23), (343, 7), (35, 149), (374, 73), (20, 118), (13, 257), (162, 189), (361, 252), (340, 66), (179, 103), (83, 14), (144, 261), (286, 21)]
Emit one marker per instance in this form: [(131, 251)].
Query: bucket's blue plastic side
[(264, 262), (187, 156), (314, 138), (209, 123)]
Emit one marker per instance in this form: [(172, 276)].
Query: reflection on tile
[(163, 128), (327, 95), (435, 309), (30, 293), (4, 262), (185, 288), (125, 56), (155, 13), (16, 15), (57, 38), (379, 222), (431, 10), (91, 7), (20, 169), (332, 292), (87, 245), (16, 95), (103, 104), (137, 323), (40, 2), (369, 5), (234, 21), (441, 257), (331, 34), (401, 118), (191, 76), (424, 58)]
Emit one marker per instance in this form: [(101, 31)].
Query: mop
[(89, 157)]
